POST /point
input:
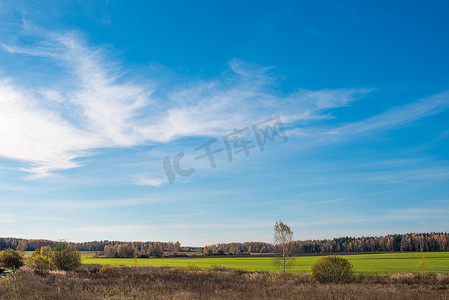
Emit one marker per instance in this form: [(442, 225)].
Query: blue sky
[(94, 97)]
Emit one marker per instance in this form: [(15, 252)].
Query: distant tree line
[(435, 241), (111, 248), (149, 249)]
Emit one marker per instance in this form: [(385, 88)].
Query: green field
[(436, 262)]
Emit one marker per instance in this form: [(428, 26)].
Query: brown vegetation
[(113, 282)]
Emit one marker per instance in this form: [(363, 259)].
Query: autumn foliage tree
[(155, 250), (284, 245)]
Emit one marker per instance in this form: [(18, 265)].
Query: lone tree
[(284, 246)]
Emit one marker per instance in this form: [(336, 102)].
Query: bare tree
[(284, 245)]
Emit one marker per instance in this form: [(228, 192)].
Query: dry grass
[(97, 282)]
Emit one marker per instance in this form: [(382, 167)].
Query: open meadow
[(435, 262)]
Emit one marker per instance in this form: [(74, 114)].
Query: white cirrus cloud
[(144, 181), (89, 106)]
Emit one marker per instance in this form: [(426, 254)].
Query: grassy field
[(435, 262)]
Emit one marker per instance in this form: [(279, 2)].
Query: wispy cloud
[(91, 106), (390, 119), (71, 205), (394, 215), (7, 218), (122, 228), (397, 116), (144, 181)]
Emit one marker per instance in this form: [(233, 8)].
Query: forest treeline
[(436, 241), (110, 247)]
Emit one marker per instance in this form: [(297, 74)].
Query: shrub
[(41, 263), (218, 268), (332, 268), (93, 269), (45, 250), (110, 270), (66, 257), (11, 259), (193, 267)]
